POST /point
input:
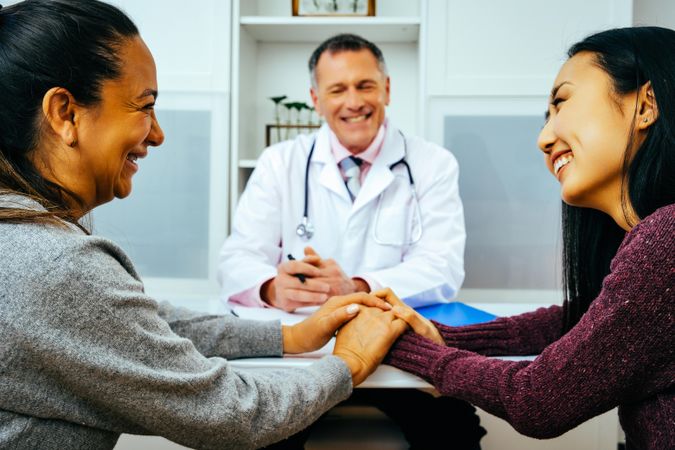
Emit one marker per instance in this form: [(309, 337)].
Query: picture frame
[(349, 8)]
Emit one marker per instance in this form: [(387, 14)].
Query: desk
[(599, 433), (385, 376)]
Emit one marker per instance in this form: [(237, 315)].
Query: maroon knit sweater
[(621, 353)]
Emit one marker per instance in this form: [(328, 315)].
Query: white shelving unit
[(310, 29), (270, 51)]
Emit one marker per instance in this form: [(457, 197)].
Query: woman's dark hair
[(631, 57), (44, 44)]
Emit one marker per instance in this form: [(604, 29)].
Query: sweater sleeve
[(93, 350), (524, 334), (619, 352), (224, 335)]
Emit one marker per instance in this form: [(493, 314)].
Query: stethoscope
[(305, 230)]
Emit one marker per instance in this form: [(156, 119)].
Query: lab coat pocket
[(387, 236), (390, 228)]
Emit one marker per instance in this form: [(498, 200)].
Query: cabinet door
[(191, 45), (487, 47)]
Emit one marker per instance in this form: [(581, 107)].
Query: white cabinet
[(271, 49), (494, 48)]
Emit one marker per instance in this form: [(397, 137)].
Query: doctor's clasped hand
[(322, 279)]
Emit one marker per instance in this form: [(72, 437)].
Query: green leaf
[(276, 100)]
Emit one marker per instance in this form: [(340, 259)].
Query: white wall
[(490, 67), (654, 12)]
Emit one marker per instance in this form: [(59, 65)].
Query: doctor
[(391, 218), (369, 207)]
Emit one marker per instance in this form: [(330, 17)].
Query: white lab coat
[(271, 207)]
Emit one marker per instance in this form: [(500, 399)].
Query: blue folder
[(455, 314)]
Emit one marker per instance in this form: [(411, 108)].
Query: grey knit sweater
[(85, 355)]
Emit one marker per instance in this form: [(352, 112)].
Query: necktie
[(351, 167)]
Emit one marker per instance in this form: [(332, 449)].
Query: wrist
[(268, 291), (360, 285), (355, 366), (288, 339)]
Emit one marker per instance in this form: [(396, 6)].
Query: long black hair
[(44, 44), (631, 57)]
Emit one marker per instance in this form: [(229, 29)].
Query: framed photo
[(333, 7)]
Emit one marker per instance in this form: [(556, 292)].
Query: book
[(455, 314)]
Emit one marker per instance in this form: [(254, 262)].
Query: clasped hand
[(323, 278), (368, 326)]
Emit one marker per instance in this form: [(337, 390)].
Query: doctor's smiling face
[(351, 93), (586, 133)]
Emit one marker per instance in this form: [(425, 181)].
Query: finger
[(371, 300), (409, 315), (419, 324), (388, 295), (399, 326), (341, 316), (306, 298), (286, 304), (299, 267), (363, 299), (309, 251), (313, 260), (314, 285), (310, 284)]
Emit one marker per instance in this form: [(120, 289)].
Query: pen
[(300, 276)]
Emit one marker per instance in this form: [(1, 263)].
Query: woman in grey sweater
[(84, 354)]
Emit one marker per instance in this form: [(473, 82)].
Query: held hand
[(364, 341), (420, 325), (332, 274), (315, 331), (286, 291)]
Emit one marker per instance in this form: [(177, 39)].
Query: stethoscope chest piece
[(305, 230)]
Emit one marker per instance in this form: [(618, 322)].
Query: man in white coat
[(380, 236), (367, 207)]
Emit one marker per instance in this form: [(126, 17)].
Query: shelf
[(247, 163), (316, 29)]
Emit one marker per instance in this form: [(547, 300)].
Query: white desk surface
[(384, 377)]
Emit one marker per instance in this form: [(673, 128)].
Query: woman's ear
[(648, 110), (59, 108)]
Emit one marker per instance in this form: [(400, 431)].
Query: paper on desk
[(439, 294), (286, 318)]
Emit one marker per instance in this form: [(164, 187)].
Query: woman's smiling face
[(114, 134), (586, 134)]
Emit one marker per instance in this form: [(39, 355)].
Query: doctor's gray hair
[(344, 43)]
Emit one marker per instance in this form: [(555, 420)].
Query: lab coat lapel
[(380, 176), (329, 177)]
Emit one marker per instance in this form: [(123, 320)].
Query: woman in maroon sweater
[(609, 139)]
